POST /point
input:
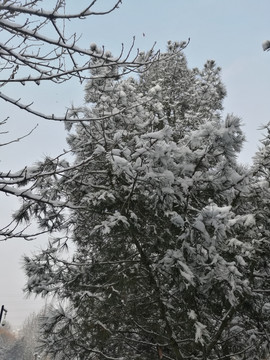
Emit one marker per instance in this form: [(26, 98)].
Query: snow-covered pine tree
[(164, 230), (201, 95)]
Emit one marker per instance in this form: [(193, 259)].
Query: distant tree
[(25, 346), (15, 351), (29, 337), (168, 232), (40, 44), (7, 339)]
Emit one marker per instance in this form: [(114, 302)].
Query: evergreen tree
[(164, 227), (7, 339), (201, 95)]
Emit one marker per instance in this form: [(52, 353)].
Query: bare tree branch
[(35, 46), (19, 138), (53, 15)]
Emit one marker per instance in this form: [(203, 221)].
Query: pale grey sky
[(229, 31)]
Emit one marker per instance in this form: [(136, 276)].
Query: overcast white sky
[(229, 31)]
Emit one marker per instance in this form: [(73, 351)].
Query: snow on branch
[(27, 194), (69, 116)]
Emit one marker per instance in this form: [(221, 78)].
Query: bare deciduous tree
[(38, 45)]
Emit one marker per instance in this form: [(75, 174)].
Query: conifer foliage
[(171, 259)]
